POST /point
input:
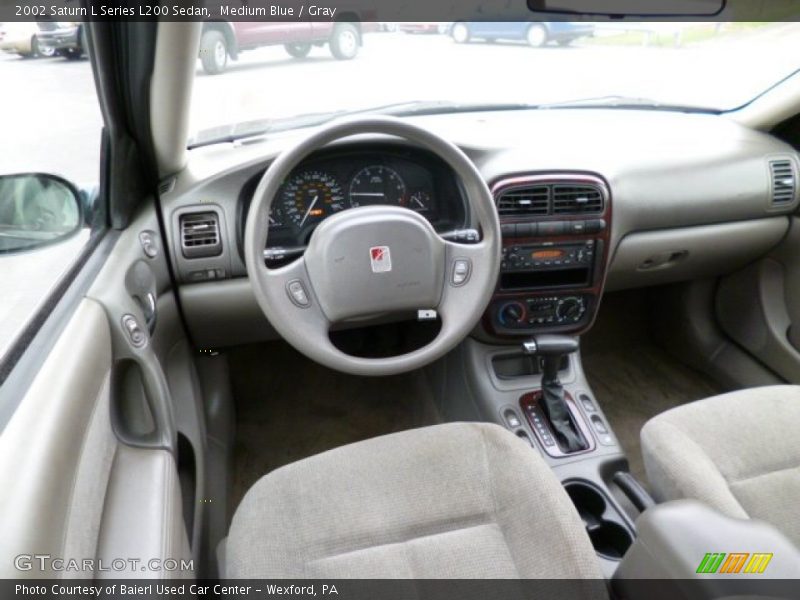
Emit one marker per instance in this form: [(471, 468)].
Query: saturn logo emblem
[(380, 258)]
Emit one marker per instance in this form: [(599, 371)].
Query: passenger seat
[(737, 452)]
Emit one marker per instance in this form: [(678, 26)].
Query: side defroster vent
[(784, 182), (576, 200), (524, 201), (200, 235)]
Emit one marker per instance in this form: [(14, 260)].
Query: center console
[(555, 231), (523, 370)]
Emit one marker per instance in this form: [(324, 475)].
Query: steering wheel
[(374, 259)]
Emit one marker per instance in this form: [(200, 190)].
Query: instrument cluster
[(333, 181)]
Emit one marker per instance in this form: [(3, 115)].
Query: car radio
[(548, 256), (547, 265)]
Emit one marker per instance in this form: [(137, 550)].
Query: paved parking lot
[(50, 119)]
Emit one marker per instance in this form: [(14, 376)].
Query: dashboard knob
[(511, 313), (570, 308)]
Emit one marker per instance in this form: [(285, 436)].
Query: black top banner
[(399, 10)]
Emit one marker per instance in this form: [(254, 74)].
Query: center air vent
[(783, 182), (524, 202), (200, 235), (576, 200), (546, 199)]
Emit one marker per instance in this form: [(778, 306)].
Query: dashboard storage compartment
[(610, 537)]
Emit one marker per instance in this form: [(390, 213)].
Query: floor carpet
[(289, 407), (632, 378)]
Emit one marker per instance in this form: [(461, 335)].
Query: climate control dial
[(511, 314), (570, 309)]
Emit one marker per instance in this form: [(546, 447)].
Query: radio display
[(545, 254)]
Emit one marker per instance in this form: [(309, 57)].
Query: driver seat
[(461, 500)]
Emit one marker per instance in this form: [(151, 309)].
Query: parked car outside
[(222, 40), (23, 39), (420, 27), (536, 34), (66, 39)]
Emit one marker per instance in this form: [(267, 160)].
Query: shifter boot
[(555, 408)]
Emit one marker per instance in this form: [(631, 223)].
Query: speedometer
[(377, 185), (310, 196)]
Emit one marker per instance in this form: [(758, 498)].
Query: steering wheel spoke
[(466, 277), (292, 295)]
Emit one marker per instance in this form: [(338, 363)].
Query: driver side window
[(49, 174)]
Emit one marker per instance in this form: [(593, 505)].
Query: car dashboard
[(588, 200)]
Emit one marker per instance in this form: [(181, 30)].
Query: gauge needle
[(310, 208), (419, 203), (367, 194)]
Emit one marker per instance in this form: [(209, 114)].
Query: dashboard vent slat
[(200, 235), (576, 200), (524, 202), (784, 184)]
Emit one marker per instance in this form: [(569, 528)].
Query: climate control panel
[(537, 311)]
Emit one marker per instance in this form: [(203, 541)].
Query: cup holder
[(610, 538)]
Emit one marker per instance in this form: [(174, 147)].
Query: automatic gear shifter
[(552, 349)]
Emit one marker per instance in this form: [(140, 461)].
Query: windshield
[(255, 77)]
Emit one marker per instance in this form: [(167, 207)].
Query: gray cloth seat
[(449, 501), (738, 452)]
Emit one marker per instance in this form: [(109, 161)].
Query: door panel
[(89, 459), (58, 439)]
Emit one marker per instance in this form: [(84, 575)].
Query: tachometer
[(309, 197), (377, 185)]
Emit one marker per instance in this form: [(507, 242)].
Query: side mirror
[(37, 210)]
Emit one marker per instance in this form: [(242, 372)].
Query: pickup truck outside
[(223, 40)]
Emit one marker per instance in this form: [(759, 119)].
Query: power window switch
[(136, 334)]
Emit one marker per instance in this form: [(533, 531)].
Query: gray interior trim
[(44, 444), (680, 254), (673, 539), (751, 308), (688, 328), (171, 92)]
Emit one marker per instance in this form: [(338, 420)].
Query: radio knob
[(511, 313), (570, 309)]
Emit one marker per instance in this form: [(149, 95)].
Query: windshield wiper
[(252, 129), (628, 102)]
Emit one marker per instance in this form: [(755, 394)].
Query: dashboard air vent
[(783, 182), (524, 202), (576, 200), (200, 235)]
